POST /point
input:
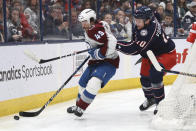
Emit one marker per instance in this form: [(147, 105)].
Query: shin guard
[(88, 95)]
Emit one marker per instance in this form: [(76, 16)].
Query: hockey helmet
[(87, 14), (143, 12)]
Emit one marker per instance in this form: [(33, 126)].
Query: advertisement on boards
[(21, 76)]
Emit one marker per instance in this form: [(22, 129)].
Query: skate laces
[(79, 110), (145, 104), (73, 108)]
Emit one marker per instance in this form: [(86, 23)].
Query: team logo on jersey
[(143, 32)]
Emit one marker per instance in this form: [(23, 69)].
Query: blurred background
[(41, 21)]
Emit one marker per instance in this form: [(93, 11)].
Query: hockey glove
[(96, 54)]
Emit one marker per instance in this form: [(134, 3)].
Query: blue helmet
[(143, 12)]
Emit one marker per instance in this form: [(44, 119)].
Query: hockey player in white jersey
[(103, 63)]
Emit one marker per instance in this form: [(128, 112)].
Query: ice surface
[(115, 111)]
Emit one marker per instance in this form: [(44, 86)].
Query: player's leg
[(82, 85), (146, 85), (167, 61), (156, 79), (88, 95), (73, 108), (99, 77), (147, 89)]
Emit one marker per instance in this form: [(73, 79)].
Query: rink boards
[(25, 84)]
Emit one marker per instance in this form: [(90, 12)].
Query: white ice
[(114, 111)]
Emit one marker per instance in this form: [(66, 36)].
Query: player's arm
[(139, 43), (98, 36), (129, 48)]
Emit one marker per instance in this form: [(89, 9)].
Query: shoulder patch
[(143, 32)]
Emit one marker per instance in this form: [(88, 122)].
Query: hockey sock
[(146, 87), (88, 95), (80, 91), (148, 92), (85, 100), (83, 105), (158, 91)]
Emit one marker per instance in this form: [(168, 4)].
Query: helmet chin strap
[(145, 22)]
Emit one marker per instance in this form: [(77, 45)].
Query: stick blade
[(32, 56), (44, 61), (154, 61), (28, 114)]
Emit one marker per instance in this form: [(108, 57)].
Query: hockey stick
[(36, 113), (138, 61), (41, 61), (159, 68)]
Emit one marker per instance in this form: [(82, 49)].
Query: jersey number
[(141, 43), (165, 38), (99, 35)]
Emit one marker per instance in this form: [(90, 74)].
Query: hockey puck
[(16, 117)]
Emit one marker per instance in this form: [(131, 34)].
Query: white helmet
[(87, 14)]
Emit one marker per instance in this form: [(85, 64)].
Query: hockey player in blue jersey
[(148, 35), (103, 63)]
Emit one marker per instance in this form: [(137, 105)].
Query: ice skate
[(71, 109), (78, 111), (147, 103), (156, 110)]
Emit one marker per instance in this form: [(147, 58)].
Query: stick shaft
[(159, 68), (59, 57), (32, 114), (180, 73), (138, 61)]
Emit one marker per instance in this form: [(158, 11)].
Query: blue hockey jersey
[(151, 37)]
